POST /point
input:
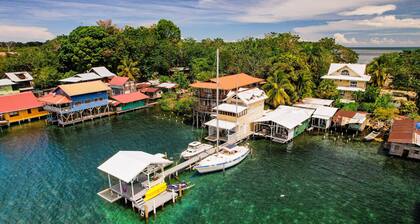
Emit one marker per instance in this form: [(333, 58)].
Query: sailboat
[(229, 155)]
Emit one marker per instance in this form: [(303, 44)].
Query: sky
[(373, 23)]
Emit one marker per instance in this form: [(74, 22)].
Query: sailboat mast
[(217, 99)]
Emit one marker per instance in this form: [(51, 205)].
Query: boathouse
[(404, 139), (284, 123), (349, 78), (23, 81), (122, 85), (15, 108), (6, 87), (205, 92), (73, 103), (349, 119), (131, 174), (130, 101), (236, 115)]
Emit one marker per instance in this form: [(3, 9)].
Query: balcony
[(76, 107)]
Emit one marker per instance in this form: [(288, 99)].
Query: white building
[(284, 123), (349, 78), (236, 115), (324, 113)]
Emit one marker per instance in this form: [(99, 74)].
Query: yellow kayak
[(155, 191)]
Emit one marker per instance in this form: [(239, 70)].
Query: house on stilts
[(128, 102), (323, 114), (404, 139), (205, 93), (236, 114), (284, 123), (73, 103)]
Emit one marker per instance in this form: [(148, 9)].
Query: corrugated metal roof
[(403, 131), (102, 72), (6, 82), (118, 81), (17, 102), (19, 76), (229, 82), (52, 98), (231, 108), (84, 88), (130, 97), (287, 116)]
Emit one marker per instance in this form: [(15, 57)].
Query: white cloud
[(24, 33), (270, 11), (383, 41), (376, 23), (369, 10), (341, 38)]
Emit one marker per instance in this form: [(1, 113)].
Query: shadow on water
[(416, 213)]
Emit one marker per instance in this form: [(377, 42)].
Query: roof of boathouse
[(323, 112), (228, 82), (318, 101), (19, 101), (83, 88), (130, 97), (287, 116), (127, 165), (404, 131), (352, 116)]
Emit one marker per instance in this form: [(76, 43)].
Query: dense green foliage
[(146, 52)]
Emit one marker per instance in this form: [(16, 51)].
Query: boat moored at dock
[(195, 148), (230, 156)]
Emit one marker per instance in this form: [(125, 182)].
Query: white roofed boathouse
[(323, 114), (131, 174), (284, 123)]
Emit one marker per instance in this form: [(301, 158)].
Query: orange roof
[(118, 81), (228, 82), (52, 98), (403, 131), (130, 97), (84, 88), (17, 102)]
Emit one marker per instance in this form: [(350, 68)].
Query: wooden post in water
[(146, 212)]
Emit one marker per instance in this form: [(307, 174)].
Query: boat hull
[(221, 166)]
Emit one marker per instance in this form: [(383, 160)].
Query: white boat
[(195, 148), (228, 157)]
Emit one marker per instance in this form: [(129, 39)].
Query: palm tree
[(378, 70), (128, 68), (278, 88)]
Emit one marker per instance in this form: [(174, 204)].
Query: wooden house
[(152, 92), (20, 107), (350, 119), (236, 115), (122, 85), (23, 81), (130, 101), (349, 78), (284, 123), (205, 92), (72, 103), (6, 87), (404, 139)]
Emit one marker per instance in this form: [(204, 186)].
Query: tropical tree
[(278, 88), (327, 89), (377, 68), (128, 68)]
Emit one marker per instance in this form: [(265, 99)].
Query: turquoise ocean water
[(49, 175)]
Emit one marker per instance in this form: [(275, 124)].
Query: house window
[(13, 114), (345, 72), (353, 84), (29, 111)]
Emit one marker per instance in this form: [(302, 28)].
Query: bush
[(351, 107), (385, 114), (384, 101), (184, 106), (368, 107), (167, 102), (408, 107)]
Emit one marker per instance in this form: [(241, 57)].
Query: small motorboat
[(195, 148), (228, 157), (177, 187)]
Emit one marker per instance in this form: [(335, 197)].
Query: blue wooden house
[(73, 103)]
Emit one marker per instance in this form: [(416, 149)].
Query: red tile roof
[(403, 131), (229, 82), (52, 98), (130, 97), (118, 81), (17, 102)]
